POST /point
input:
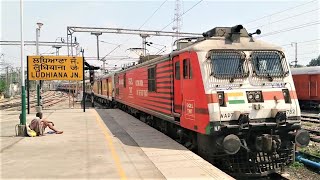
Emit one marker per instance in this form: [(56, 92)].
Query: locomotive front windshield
[(228, 65), (267, 63)]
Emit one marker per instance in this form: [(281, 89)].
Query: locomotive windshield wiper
[(227, 65), (263, 70), (269, 77), (237, 73), (268, 65)]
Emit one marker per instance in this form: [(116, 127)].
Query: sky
[(281, 22)]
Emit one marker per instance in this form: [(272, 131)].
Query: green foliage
[(2, 86), (296, 164), (314, 62), (312, 149)]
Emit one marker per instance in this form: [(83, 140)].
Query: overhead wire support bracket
[(33, 43), (145, 33), (72, 29)]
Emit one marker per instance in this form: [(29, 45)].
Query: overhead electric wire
[(183, 14), (25, 50), (291, 28), (302, 42), (110, 57), (308, 58), (279, 12), (284, 19), (139, 28), (29, 51), (123, 59), (108, 42), (180, 16), (112, 51), (153, 14), (50, 48), (312, 52), (305, 57)]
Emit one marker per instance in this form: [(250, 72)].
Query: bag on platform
[(30, 132)]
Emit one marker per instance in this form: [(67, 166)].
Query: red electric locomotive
[(226, 95)]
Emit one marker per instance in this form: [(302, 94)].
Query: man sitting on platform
[(39, 125)]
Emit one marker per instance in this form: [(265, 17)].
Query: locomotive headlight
[(257, 97), (254, 96), (250, 97)]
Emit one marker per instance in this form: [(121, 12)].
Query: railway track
[(15, 99), (311, 123), (10, 99), (50, 99), (17, 103), (310, 118), (314, 135), (18, 99)]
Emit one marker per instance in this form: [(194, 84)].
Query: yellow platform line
[(114, 154)]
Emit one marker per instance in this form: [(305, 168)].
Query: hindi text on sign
[(55, 68)]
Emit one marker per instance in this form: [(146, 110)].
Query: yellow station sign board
[(55, 68)]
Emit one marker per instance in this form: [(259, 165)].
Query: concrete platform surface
[(113, 145)]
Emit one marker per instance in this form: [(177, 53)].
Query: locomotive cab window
[(268, 64), (152, 79), (187, 73), (227, 64), (177, 70)]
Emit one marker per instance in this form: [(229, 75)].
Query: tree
[(315, 62), (2, 86)]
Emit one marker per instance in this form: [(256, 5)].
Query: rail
[(308, 121)]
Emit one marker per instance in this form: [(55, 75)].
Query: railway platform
[(97, 144)]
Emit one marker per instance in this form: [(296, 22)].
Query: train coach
[(225, 95), (103, 90), (74, 87), (307, 83)]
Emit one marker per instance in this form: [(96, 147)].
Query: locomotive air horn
[(258, 31)]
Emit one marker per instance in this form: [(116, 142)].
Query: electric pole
[(37, 53), (23, 115), (7, 80), (295, 54), (104, 61)]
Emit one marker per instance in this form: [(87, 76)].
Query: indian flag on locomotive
[(236, 98)]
